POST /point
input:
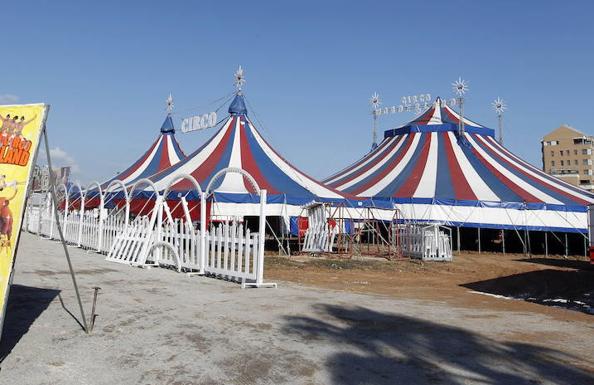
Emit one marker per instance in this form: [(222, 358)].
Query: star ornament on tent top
[(169, 104), (375, 100), (499, 106), (460, 87), (239, 78)]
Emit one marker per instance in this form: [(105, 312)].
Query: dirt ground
[(553, 282), (341, 322)]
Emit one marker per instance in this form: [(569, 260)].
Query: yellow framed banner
[(20, 132)]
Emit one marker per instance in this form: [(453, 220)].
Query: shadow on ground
[(571, 289), (561, 262), (25, 305), (384, 348)]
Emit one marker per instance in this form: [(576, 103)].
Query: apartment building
[(569, 155)]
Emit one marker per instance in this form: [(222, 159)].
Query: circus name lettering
[(415, 103), (199, 122), (14, 150)]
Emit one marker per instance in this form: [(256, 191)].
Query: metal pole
[(566, 246), (374, 132), (500, 121), (461, 122), (55, 202), (93, 315), (458, 237), (479, 240), (546, 243), (503, 240)]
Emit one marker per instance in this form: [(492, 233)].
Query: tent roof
[(162, 154), (426, 161), (239, 144)]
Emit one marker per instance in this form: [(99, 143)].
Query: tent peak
[(237, 106), (167, 126)]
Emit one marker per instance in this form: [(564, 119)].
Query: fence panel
[(232, 253)]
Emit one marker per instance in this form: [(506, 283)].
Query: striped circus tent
[(239, 144), (162, 154), (431, 173)]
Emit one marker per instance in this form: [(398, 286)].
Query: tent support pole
[(503, 240), (546, 244), (479, 240), (458, 237), (566, 246), (585, 248)]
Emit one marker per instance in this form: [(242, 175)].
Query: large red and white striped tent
[(238, 144), (162, 154), (431, 173)]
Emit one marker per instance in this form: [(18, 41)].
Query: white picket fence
[(227, 250), (429, 243), (232, 253), (319, 236), (88, 232), (186, 242), (132, 246), (32, 219)]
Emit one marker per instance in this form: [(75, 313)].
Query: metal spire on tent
[(239, 79), (460, 87), (169, 104), (500, 106), (375, 103), (167, 126)]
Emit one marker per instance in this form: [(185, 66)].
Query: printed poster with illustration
[(20, 132)]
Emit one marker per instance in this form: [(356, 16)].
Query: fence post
[(100, 230), (80, 222), (66, 203), (202, 232), (52, 216), (159, 233), (39, 221), (262, 231)]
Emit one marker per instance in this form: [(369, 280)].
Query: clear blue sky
[(106, 68)]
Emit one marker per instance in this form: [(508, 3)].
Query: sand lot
[(322, 325)]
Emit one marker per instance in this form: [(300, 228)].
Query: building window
[(583, 140), (575, 162), (552, 163), (561, 152), (552, 153), (562, 163), (575, 152), (567, 152), (586, 151)]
